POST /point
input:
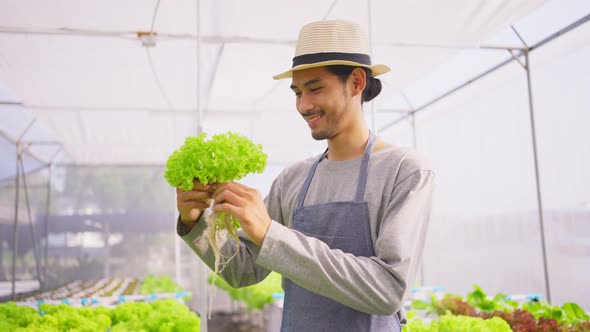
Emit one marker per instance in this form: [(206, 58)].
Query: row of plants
[(108, 287), (479, 312), (256, 296), (161, 315), (64, 291), (155, 285)]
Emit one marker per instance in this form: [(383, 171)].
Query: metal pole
[(31, 228), (537, 177), (107, 246), (412, 115), (63, 256), (47, 212), (370, 21), (414, 138), (15, 232), (177, 260), (415, 145), (201, 267), (198, 50)]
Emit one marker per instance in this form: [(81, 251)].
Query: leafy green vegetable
[(155, 285), (161, 315), (535, 315), (574, 313), (224, 158), (255, 296), (450, 323), (479, 299)]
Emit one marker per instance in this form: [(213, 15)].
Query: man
[(345, 229)]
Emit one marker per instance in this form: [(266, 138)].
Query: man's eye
[(298, 94), (315, 89)]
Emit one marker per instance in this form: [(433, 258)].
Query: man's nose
[(305, 103)]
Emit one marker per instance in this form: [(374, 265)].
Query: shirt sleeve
[(242, 269), (374, 285)]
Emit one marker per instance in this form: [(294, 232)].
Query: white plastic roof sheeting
[(79, 69)]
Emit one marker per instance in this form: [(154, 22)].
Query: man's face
[(323, 101)]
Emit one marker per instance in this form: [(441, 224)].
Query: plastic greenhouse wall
[(485, 226)]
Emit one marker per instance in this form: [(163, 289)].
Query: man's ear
[(358, 79)]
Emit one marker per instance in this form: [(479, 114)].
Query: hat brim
[(376, 70)]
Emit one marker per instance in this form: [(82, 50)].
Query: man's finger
[(194, 204), (217, 186), (236, 188), (199, 186), (194, 196), (225, 207), (228, 196)]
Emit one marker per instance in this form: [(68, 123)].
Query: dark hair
[(373, 87)]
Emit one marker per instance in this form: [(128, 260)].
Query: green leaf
[(476, 296), (451, 323), (256, 296), (574, 312), (223, 158), (420, 305)]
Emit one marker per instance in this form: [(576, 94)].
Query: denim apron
[(344, 226)]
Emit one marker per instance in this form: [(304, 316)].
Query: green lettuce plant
[(161, 315), (256, 296), (534, 315), (224, 158), (450, 323)]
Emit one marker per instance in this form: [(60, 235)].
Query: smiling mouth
[(312, 120)]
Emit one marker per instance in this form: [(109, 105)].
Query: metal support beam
[(12, 140), (450, 92), (520, 52), (370, 24), (15, 229), (537, 178), (132, 36), (31, 228), (47, 214), (26, 129), (201, 267), (332, 5), (412, 115), (46, 229), (107, 248)]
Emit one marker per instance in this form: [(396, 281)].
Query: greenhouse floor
[(228, 322)]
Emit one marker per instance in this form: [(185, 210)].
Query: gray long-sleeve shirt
[(399, 195)]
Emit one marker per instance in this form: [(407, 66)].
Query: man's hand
[(192, 203), (247, 205)]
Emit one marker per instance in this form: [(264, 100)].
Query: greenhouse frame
[(95, 96)]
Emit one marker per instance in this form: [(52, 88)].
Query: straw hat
[(325, 43)]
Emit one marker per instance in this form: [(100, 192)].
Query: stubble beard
[(336, 120)]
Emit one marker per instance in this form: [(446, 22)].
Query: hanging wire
[(157, 79), (155, 73), (330, 9), (372, 103), (198, 63), (151, 62), (154, 17)]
